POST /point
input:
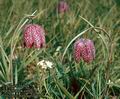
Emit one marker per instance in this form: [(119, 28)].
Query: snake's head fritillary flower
[(62, 6), (34, 35), (84, 49)]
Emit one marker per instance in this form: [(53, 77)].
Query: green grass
[(98, 80)]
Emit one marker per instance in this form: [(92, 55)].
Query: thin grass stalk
[(13, 43)]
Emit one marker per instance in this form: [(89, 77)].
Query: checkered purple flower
[(34, 35), (62, 6), (84, 49)]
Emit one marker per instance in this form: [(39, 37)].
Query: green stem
[(13, 43)]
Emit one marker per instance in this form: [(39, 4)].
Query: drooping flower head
[(34, 35), (62, 6), (84, 49)]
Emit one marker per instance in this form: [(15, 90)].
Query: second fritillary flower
[(84, 49)]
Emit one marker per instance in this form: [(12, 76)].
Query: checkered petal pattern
[(84, 49), (34, 35)]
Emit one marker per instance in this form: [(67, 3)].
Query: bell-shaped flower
[(84, 49), (34, 35), (62, 6)]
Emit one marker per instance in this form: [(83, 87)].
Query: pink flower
[(84, 49), (62, 6), (34, 35)]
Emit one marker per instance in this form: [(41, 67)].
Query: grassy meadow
[(21, 76)]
